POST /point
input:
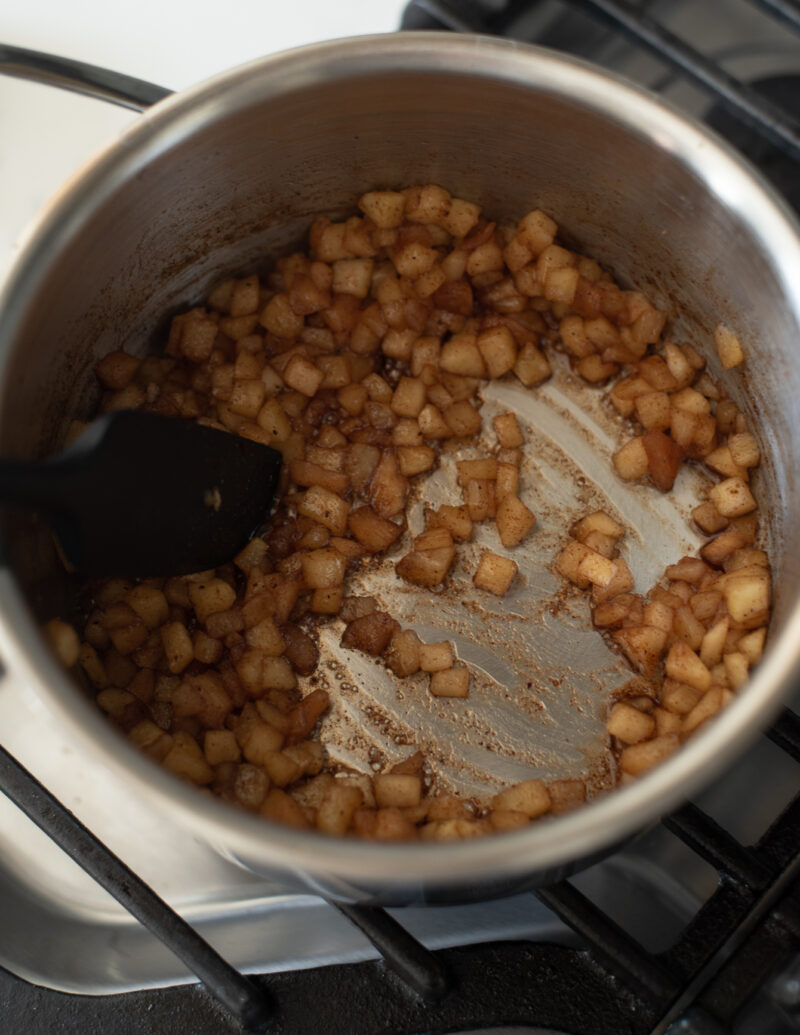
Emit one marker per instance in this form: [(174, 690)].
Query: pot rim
[(548, 843)]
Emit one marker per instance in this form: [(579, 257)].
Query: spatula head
[(152, 495)]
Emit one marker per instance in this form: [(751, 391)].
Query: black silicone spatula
[(139, 495)]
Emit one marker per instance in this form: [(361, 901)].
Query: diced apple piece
[(508, 431), (639, 758), (663, 458), (732, 498), (395, 790), (436, 657), (629, 724), (631, 461), (642, 645), (597, 569), (729, 348), (744, 449), (499, 350), (708, 706), (569, 560), (530, 797), (455, 519), (403, 653), (373, 532), (426, 568), (532, 366), (622, 582), (325, 507), (514, 520), (599, 521), (685, 666), (736, 669), (494, 573), (451, 682), (747, 597), (371, 633)]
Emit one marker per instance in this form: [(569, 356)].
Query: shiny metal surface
[(215, 178), (80, 77)]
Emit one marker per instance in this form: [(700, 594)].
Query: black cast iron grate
[(745, 102), (611, 986)]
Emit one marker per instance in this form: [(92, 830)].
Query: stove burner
[(775, 164)]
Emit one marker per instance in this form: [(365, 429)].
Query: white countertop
[(47, 133)]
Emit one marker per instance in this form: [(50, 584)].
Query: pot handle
[(80, 77)]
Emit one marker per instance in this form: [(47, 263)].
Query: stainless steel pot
[(212, 179)]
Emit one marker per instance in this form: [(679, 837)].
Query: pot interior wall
[(238, 176)]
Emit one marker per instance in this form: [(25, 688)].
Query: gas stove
[(683, 914)]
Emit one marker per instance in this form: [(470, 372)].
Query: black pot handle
[(79, 77)]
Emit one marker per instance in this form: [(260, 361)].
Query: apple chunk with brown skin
[(663, 459)]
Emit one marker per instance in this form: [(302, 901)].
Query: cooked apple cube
[(433, 539), (708, 706), (371, 633), (679, 698), (569, 560), (302, 376), (597, 569), (732, 498), (455, 519), (409, 397), (514, 520), (508, 431), (483, 469), (639, 758), (494, 573), (629, 724), (403, 653), (663, 458), (642, 645), (499, 350), (461, 418), (451, 682), (435, 657), (461, 355), (729, 348), (532, 366), (744, 449), (336, 811), (631, 461), (653, 410), (599, 521), (325, 507), (395, 790), (413, 460), (685, 666), (530, 797), (375, 533), (748, 597), (426, 568), (480, 496), (383, 207), (622, 582), (708, 519)]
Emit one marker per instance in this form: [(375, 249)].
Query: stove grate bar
[(416, 966), (786, 11), (786, 733), (614, 948), (250, 1005), (739, 98), (708, 840), (743, 101)]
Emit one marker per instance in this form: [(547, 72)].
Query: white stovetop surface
[(46, 134)]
